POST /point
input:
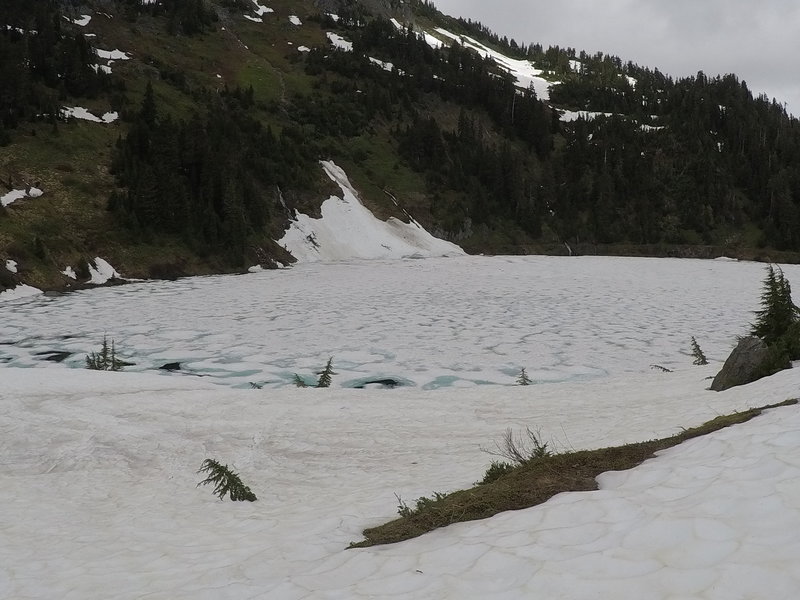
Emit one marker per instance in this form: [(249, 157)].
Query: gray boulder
[(748, 362)]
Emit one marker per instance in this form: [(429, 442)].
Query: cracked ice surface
[(437, 322)]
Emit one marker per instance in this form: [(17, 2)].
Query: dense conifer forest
[(217, 165)]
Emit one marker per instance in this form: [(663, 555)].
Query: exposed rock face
[(745, 364)]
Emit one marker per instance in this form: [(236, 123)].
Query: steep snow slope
[(348, 230)]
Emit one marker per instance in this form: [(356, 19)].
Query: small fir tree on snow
[(697, 353), (523, 378), (106, 360), (299, 382), (225, 482), (325, 376), (778, 313)]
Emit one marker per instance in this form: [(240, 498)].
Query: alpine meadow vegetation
[(513, 487)]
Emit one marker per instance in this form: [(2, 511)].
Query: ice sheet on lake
[(98, 485), (436, 322)]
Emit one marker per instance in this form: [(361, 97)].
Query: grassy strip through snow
[(535, 482)]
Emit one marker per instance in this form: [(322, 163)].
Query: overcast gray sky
[(759, 42)]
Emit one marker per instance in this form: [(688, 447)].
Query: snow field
[(104, 465)]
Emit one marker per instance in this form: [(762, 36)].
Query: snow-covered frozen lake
[(98, 495), (431, 323)]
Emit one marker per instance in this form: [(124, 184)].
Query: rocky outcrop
[(750, 360)]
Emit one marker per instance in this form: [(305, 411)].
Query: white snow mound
[(21, 291), (348, 230), (102, 271), (14, 195), (113, 54), (339, 42), (78, 112)]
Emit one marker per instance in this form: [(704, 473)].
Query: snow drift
[(348, 230)]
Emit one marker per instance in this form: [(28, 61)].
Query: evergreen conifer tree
[(523, 378), (778, 313), (225, 481), (697, 353), (299, 382), (106, 360), (325, 375)]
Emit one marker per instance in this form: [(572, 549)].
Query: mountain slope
[(207, 119)]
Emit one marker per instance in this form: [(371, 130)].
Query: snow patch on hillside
[(586, 115), (260, 9), (78, 112), (12, 196), (386, 66), (432, 41), (112, 54), (83, 21), (295, 20), (339, 42), (348, 230), (101, 272), (11, 265), (525, 73), (15, 195)]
